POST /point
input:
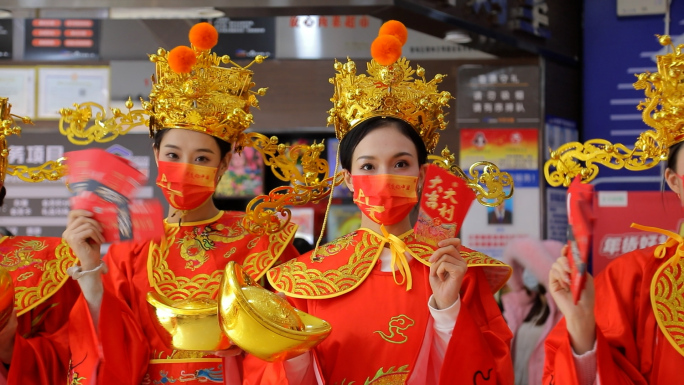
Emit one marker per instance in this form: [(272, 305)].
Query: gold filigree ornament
[(491, 185), (662, 110), (310, 182), (51, 170)]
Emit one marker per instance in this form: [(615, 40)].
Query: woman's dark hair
[(539, 309), (351, 140), (224, 147), (3, 192), (672, 156)]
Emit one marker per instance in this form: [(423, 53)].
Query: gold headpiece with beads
[(662, 110), (190, 91), (50, 170), (389, 90)]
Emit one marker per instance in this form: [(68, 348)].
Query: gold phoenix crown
[(662, 110), (50, 170), (388, 90), (190, 90)]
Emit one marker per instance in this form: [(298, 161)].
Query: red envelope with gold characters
[(445, 201), (580, 203)]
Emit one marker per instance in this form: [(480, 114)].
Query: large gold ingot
[(6, 297), (192, 324), (262, 323)]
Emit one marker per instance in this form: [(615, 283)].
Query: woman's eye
[(201, 159), (367, 167), (401, 164), (172, 155)]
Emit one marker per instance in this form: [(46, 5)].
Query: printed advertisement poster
[(489, 229), (615, 211), (244, 177)]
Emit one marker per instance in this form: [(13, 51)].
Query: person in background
[(528, 308), (626, 326), (34, 342)]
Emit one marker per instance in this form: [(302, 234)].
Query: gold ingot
[(6, 297), (262, 323), (191, 324)]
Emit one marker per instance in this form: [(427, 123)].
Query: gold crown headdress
[(662, 110), (389, 90), (190, 91), (50, 170)]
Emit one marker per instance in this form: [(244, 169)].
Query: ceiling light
[(164, 13), (459, 37), (5, 14)]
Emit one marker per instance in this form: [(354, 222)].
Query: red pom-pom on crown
[(181, 59), (203, 36)]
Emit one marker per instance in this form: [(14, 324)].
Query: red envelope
[(105, 184), (445, 202), (105, 168), (138, 220), (580, 203)]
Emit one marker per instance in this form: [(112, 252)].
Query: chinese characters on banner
[(445, 203), (615, 211), (498, 96), (40, 209)]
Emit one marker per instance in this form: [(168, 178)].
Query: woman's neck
[(396, 229), (203, 212)]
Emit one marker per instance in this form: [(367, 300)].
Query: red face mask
[(386, 199), (186, 186)]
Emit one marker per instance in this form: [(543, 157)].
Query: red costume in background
[(44, 295), (125, 347), (378, 327), (639, 322)]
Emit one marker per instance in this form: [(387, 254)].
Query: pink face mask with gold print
[(386, 199), (186, 186)]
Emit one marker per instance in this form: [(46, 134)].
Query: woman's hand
[(84, 236), (7, 338), (447, 270), (580, 319)]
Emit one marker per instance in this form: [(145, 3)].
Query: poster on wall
[(489, 229), (342, 220), (40, 209), (244, 177), (60, 87), (496, 96), (19, 85)]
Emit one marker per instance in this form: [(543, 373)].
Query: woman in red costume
[(401, 311), (33, 336), (197, 109), (632, 335)]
